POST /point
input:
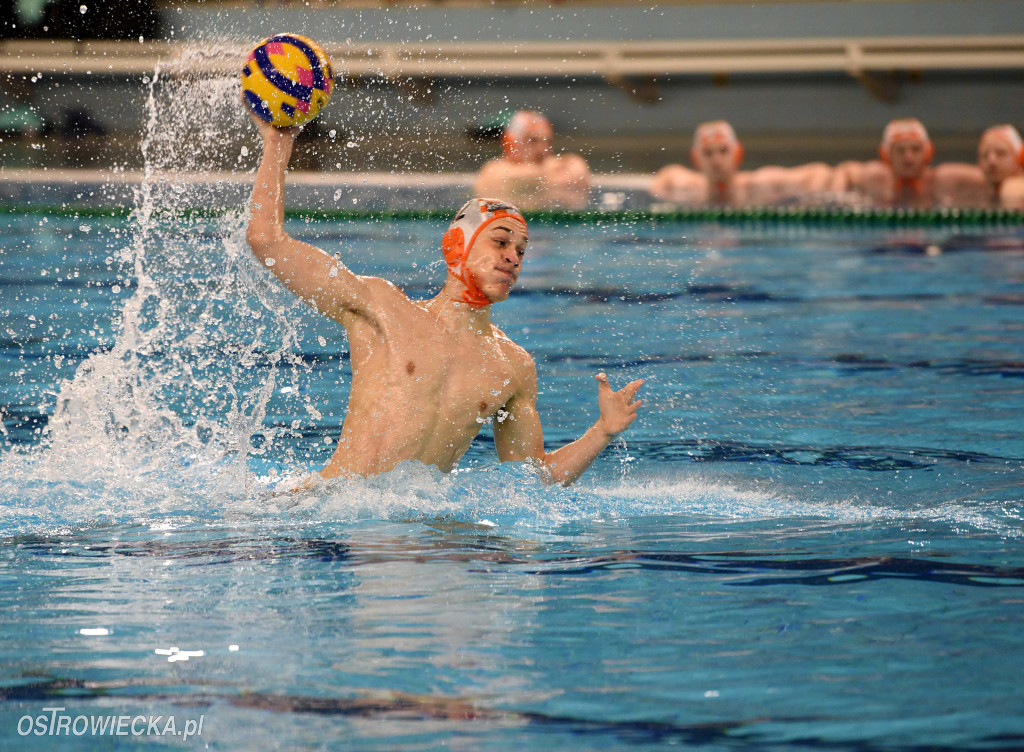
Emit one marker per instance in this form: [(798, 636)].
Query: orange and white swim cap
[(473, 217), (906, 129)]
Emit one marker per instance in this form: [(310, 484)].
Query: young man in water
[(718, 181), (427, 374), (993, 180), (902, 175), (529, 174)]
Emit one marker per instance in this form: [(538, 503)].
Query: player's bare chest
[(469, 373)]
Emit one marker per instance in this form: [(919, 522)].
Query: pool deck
[(331, 191)]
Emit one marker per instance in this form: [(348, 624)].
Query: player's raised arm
[(518, 434), (313, 275)]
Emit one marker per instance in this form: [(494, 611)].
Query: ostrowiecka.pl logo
[(55, 722)]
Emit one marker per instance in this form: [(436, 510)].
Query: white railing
[(854, 56)]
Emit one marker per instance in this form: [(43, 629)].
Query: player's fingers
[(602, 382), (629, 390)]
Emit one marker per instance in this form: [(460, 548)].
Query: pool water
[(813, 536)]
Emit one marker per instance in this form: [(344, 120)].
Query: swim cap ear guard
[(508, 144), (473, 217)]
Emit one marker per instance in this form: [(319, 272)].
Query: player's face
[(496, 257), (908, 158), (535, 144), (996, 158), (717, 159)]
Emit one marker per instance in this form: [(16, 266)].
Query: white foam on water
[(698, 497)]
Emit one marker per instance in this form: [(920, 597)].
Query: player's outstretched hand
[(618, 409)]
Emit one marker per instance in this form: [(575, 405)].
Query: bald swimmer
[(427, 374), (902, 176), (717, 155), (529, 174)]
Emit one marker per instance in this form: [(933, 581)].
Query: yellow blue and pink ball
[(287, 79)]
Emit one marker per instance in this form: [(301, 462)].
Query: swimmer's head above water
[(527, 138), (1000, 153), (716, 151), (906, 148), (481, 217)]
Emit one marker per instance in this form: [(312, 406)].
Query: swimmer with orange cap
[(529, 174), (426, 375), (993, 181), (902, 176), (1000, 157), (717, 155)]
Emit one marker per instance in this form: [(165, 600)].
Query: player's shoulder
[(512, 349), (959, 170), (674, 170), (387, 296), (383, 287), (494, 165)]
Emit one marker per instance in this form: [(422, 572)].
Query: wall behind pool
[(535, 22), (782, 118)]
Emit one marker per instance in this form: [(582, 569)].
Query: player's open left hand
[(618, 409)]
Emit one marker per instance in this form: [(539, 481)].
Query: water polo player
[(901, 176), (717, 155), (427, 374), (994, 180), (1000, 156), (529, 174)]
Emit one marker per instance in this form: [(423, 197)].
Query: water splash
[(164, 421)]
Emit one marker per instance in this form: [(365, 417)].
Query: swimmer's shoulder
[(381, 286), (675, 171), (959, 172), (512, 349), (387, 294), (490, 177), (1011, 193), (497, 165)]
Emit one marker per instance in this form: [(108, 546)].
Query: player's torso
[(421, 391)]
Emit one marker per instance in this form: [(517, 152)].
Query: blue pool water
[(813, 537)]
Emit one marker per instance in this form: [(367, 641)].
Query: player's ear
[(739, 154)]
